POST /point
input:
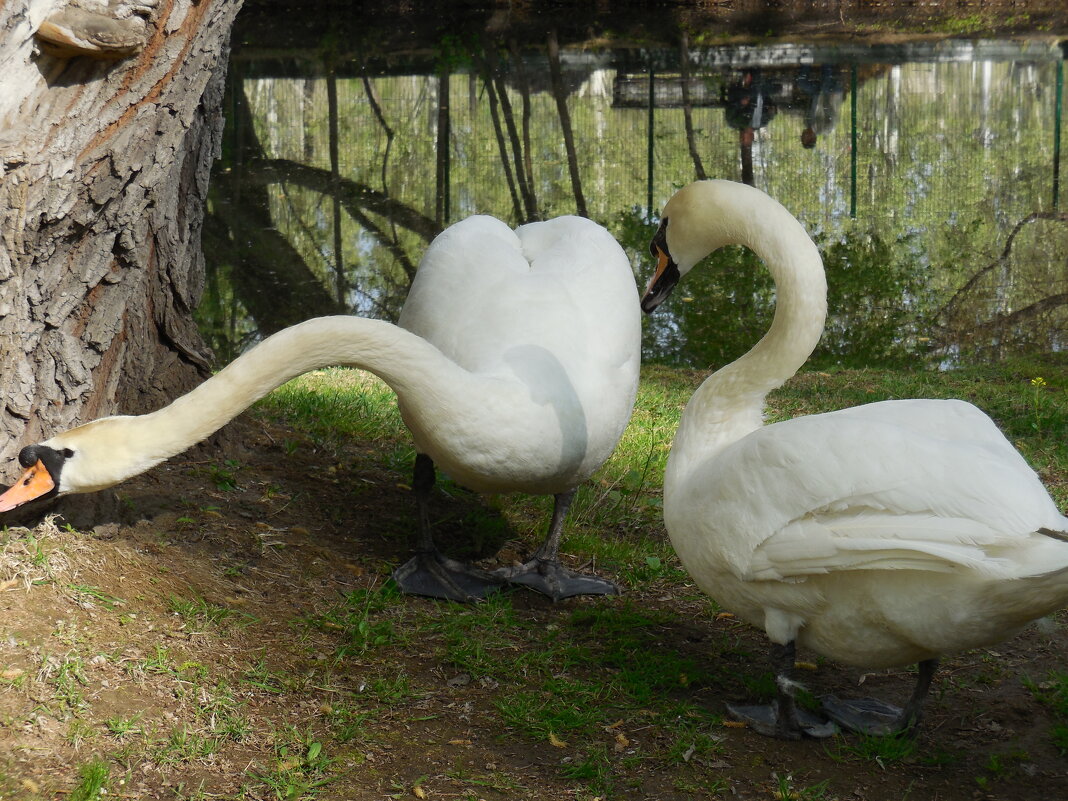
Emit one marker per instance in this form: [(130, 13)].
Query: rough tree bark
[(105, 149)]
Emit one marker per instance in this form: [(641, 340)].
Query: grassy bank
[(241, 641), (1027, 398)]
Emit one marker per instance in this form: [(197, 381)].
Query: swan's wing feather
[(868, 540), (929, 485)]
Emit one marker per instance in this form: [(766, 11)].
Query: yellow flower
[(1038, 382)]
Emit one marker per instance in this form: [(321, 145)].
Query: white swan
[(515, 366), (877, 536)]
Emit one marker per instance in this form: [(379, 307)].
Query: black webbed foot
[(551, 578), (432, 574), (765, 719), (863, 715), (872, 717)]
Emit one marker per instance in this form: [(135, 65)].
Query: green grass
[(1053, 692), (124, 726), (883, 749), (90, 594), (197, 613), (603, 665), (300, 767), (336, 406), (1027, 398), (94, 777), (356, 617)]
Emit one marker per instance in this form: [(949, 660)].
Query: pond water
[(928, 173)]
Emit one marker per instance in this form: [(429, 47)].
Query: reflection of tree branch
[(441, 161), (1003, 321), (340, 279), (394, 290), (524, 88), (565, 122), (523, 177), (951, 305), (357, 198), (376, 109), (687, 112), (299, 220), (388, 242), (491, 93), (270, 276)]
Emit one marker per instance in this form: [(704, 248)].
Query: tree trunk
[(106, 153)]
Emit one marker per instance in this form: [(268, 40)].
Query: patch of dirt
[(194, 649)]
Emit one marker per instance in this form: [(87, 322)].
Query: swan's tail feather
[(1057, 535)]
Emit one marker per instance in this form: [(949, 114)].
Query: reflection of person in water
[(824, 95), (749, 108)]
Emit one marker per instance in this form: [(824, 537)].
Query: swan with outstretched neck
[(881, 535), (515, 366)]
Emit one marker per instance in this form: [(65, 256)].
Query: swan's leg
[(782, 718), (543, 571), (431, 572), (869, 716), (912, 714)]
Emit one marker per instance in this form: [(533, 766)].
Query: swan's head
[(699, 218), (90, 457)]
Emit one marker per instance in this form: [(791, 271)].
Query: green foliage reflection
[(878, 304)]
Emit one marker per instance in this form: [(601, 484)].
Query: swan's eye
[(67, 453)]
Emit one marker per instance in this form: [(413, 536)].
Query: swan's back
[(565, 284), (550, 314)]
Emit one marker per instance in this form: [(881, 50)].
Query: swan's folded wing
[(929, 485), (876, 540)]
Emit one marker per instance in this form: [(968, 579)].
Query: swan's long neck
[(730, 403), (412, 367)]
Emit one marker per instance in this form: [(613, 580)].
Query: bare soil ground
[(188, 650)]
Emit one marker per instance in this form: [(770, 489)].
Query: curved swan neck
[(708, 215), (408, 363)]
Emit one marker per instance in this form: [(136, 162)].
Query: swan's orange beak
[(663, 281), (34, 483), (661, 265)]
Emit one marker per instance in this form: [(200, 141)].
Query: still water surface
[(927, 172)]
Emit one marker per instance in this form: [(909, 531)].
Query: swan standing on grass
[(515, 368), (878, 536)]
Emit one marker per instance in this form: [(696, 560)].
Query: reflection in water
[(749, 106), (819, 95), (928, 174)]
